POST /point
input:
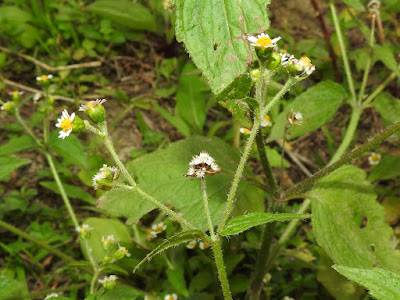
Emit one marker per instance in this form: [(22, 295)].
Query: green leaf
[(355, 3), (190, 99), (70, 149), (389, 109), (175, 240), (381, 283), (239, 224), (318, 105), (239, 110), (9, 164), (388, 168), (342, 203), (214, 33), (385, 54), (177, 121), (176, 277), (200, 281), (11, 287), (160, 174), (17, 144), (105, 227), (72, 191), (238, 89), (124, 12), (121, 293)]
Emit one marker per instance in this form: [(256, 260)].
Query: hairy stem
[(219, 262), (206, 209)]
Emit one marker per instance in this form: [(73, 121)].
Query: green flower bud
[(16, 96), (8, 107), (300, 68), (121, 253), (78, 125), (95, 110), (108, 282), (109, 243), (84, 231)]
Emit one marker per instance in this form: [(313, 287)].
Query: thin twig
[(92, 64)]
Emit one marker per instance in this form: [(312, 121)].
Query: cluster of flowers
[(155, 230)]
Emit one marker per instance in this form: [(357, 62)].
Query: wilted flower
[(202, 164), (374, 158), (295, 118)]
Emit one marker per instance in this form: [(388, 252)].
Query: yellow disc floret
[(66, 124), (264, 41)]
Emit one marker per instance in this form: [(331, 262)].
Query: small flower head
[(202, 164), (204, 245), (44, 79), (52, 295), (158, 228), (374, 158), (295, 117), (95, 110), (108, 282), (168, 4), (300, 68), (267, 277), (263, 41), (16, 95), (150, 234), (121, 253), (69, 123), (244, 130), (254, 74), (287, 298), (266, 121), (191, 244), (171, 297), (104, 179), (8, 107), (84, 231), (109, 243)]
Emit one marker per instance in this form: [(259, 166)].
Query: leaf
[(105, 227), (214, 33), (385, 54), (318, 105), (238, 89), (381, 283), (160, 174), (355, 3), (72, 191), (177, 121), (177, 239), (239, 224), (11, 287), (69, 148), (239, 110), (17, 144), (176, 277), (200, 281), (340, 202), (392, 208), (9, 164), (389, 109), (190, 99), (388, 168), (124, 12), (121, 293)]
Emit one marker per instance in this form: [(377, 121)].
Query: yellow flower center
[(375, 158), (264, 41), (15, 93), (43, 77), (306, 61), (171, 298), (246, 131), (267, 118), (90, 104), (159, 229), (66, 124)]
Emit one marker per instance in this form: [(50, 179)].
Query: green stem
[(219, 261), (206, 209), (351, 129), (38, 242), (247, 150), (307, 183), (379, 89), (369, 60), (94, 280), (28, 130), (343, 52), (266, 165), (60, 186)]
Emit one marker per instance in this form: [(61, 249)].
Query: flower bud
[(95, 110), (16, 96), (300, 68), (108, 282), (84, 231), (121, 253), (78, 125), (105, 178), (8, 107), (109, 243)]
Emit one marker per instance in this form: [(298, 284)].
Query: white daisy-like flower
[(374, 158), (91, 105), (204, 245), (83, 228), (266, 121), (263, 41), (52, 295), (202, 164), (108, 239), (65, 123), (244, 130), (107, 279), (191, 244), (16, 93), (171, 297), (267, 277), (44, 78), (150, 234), (158, 228)]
